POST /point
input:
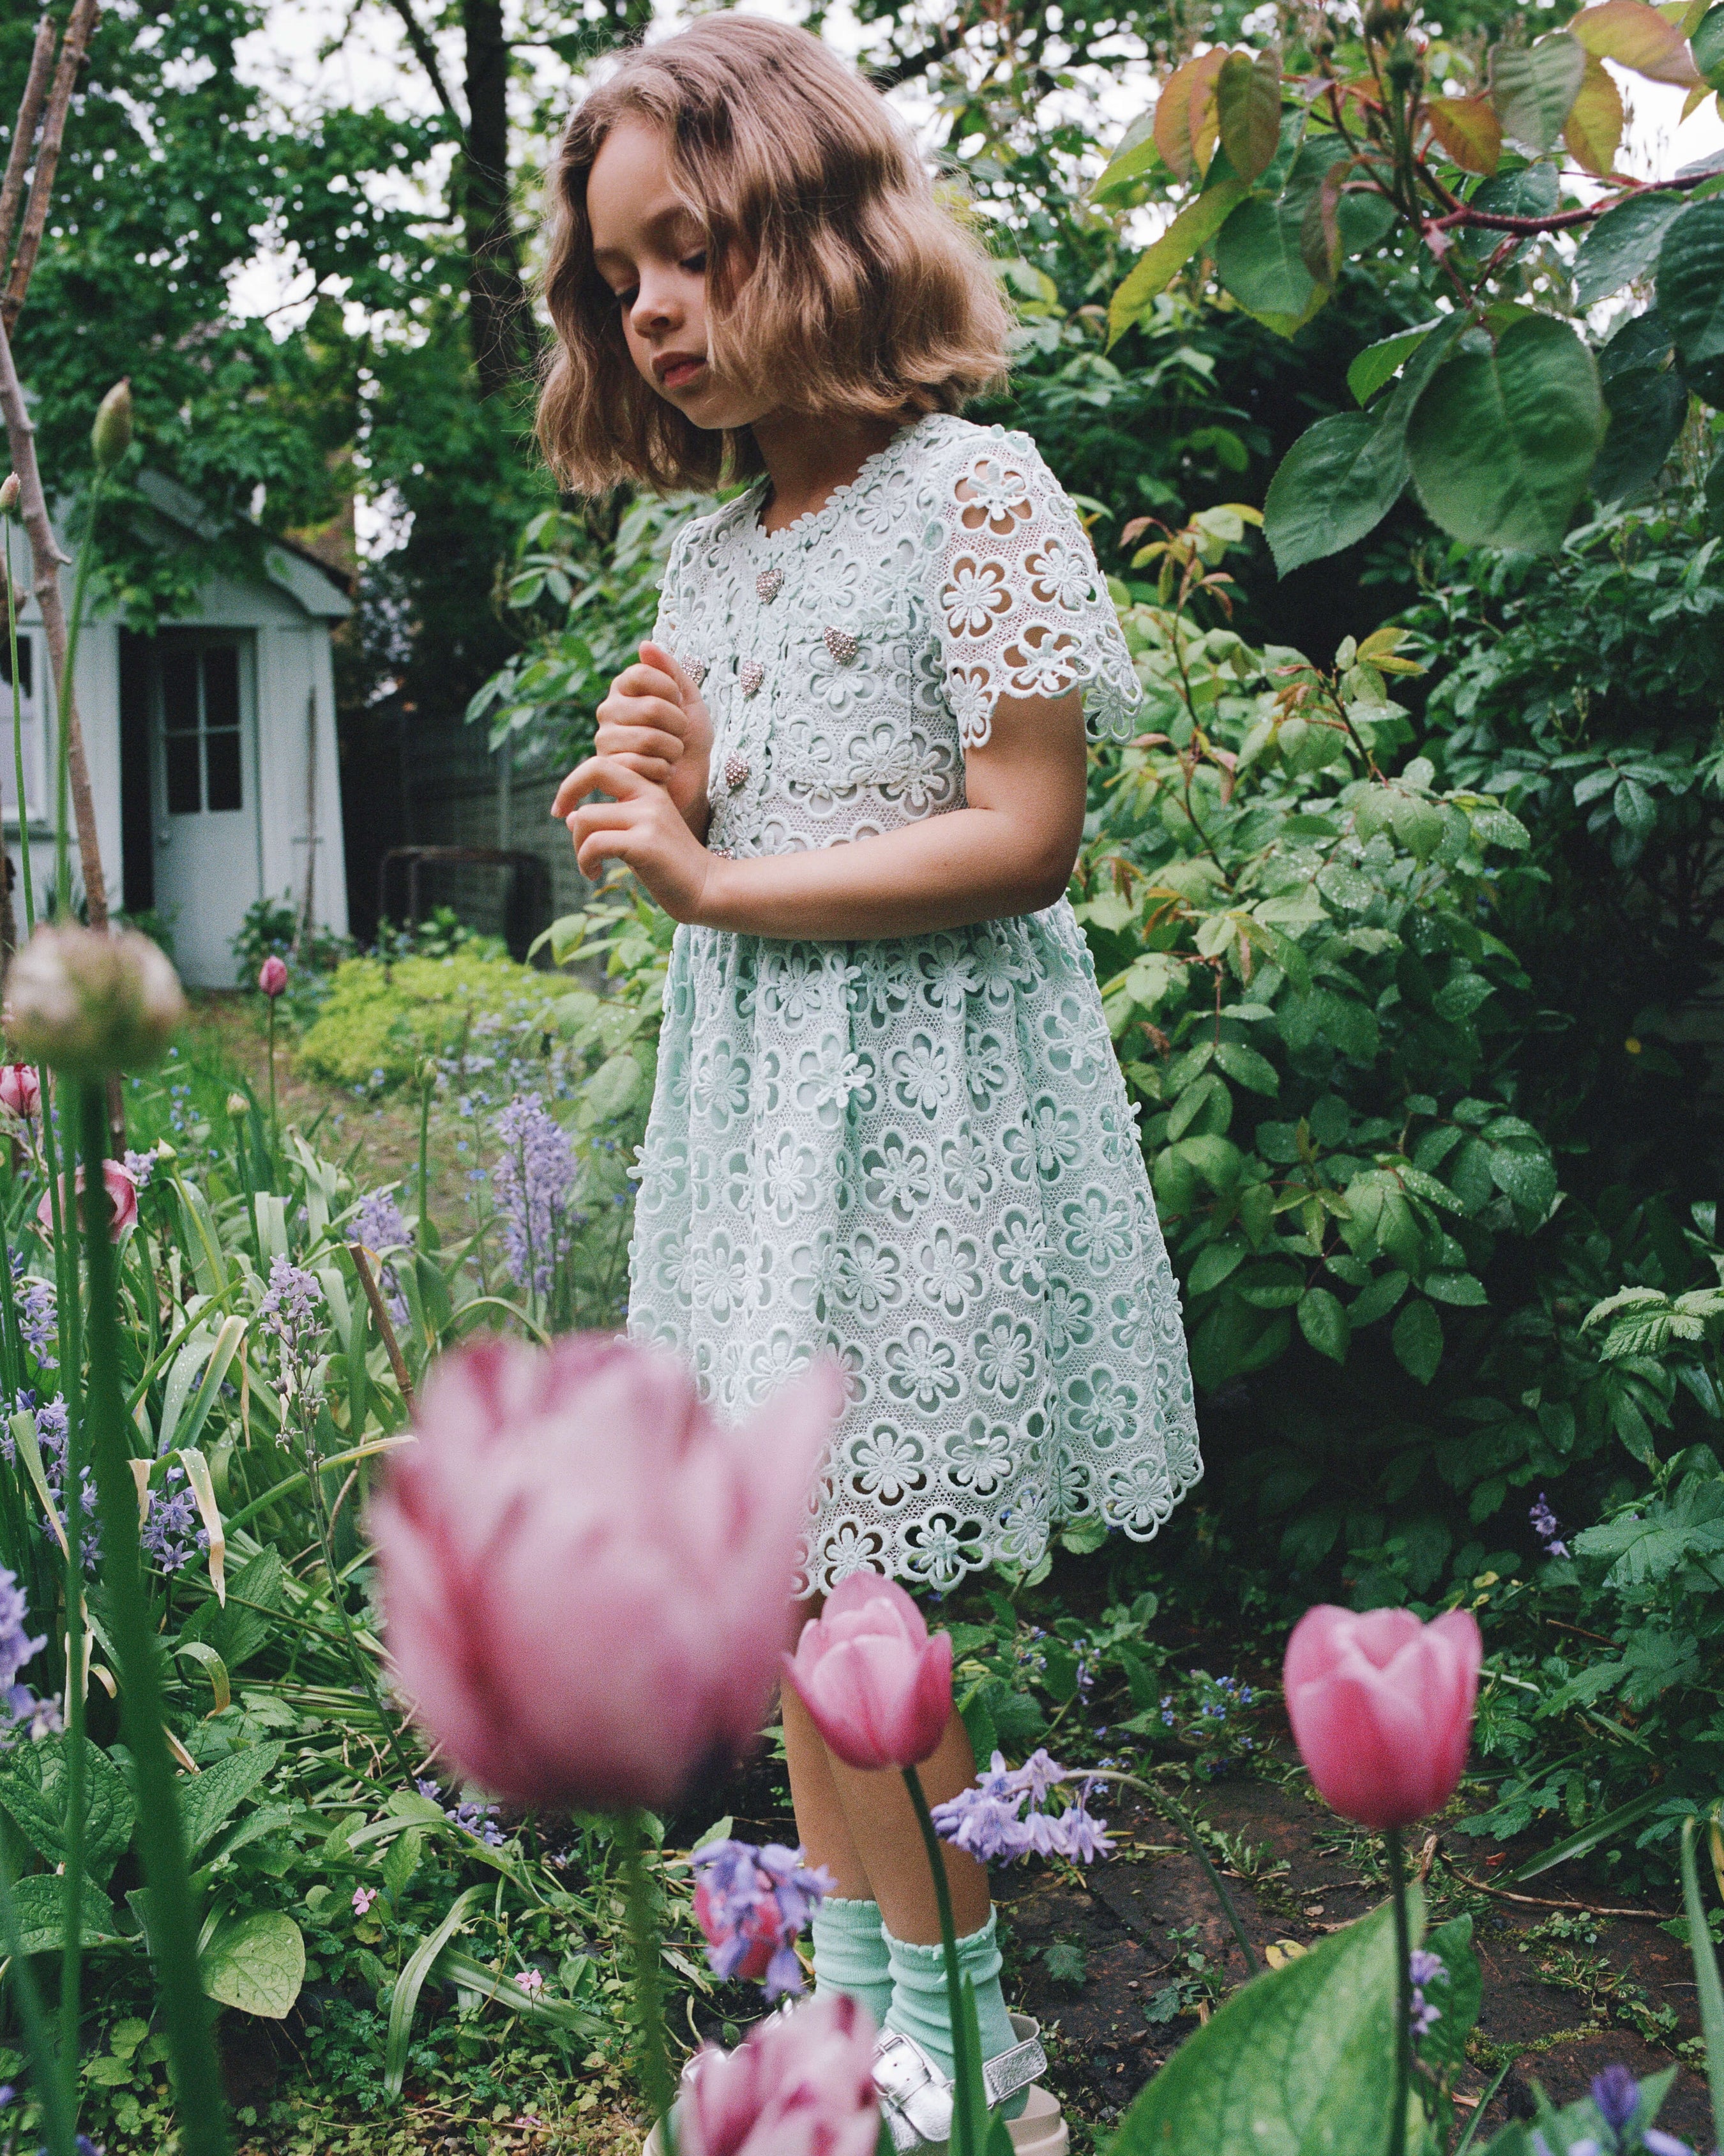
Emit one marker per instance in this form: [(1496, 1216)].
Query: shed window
[(29, 671), (200, 729)]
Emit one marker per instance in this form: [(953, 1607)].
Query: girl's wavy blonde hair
[(832, 273)]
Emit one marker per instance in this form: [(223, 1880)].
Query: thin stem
[(1404, 1993), (18, 741), (655, 2080), (81, 1094), (424, 1152), (63, 782), (962, 2110), (274, 1119), (173, 1923)]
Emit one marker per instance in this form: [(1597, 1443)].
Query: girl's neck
[(809, 456)]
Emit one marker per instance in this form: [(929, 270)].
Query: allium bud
[(111, 437), (9, 491), (238, 1107), (272, 976), (91, 1001)]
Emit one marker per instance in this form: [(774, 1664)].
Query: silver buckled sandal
[(916, 2098)]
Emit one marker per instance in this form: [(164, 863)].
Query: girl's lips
[(679, 373)]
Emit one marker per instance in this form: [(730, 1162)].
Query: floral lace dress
[(916, 1153)]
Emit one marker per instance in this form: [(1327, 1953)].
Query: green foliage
[(379, 1021)]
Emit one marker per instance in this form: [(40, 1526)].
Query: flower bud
[(238, 1107), (20, 1090), (111, 437), (90, 1001), (272, 976), (9, 491)]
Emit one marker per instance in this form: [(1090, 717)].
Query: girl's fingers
[(598, 774), (655, 655), (649, 681), (617, 739), (618, 710)]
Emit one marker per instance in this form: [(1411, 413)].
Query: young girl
[(889, 1123)]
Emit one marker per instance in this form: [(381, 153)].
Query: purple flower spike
[(1617, 2094)]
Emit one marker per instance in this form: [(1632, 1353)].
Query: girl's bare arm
[(1009, 851)]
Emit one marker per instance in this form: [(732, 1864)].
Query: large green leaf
[(257, 1963), (1647, 406), (1623, 245), (1196, 225), (209, 1800), (1257, 258), (1532, 87), (37, 1903), (33, 1788), (1707, 46), (1335, 485), (1294, 2064), (1380, 362), (1691, 281), (237, 1631), (1501, 441)]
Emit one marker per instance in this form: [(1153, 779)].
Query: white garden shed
[(211, 745)]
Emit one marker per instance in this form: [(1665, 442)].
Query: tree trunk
[(504, 336)]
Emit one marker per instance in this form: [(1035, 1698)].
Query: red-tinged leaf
[(1594, 128), (1637, 37), (1185, 128), (1196, 225), (1248, 107), (1469, 131), (1319, 231)]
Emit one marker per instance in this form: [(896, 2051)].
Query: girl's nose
[(654, 308)]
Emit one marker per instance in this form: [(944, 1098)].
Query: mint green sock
[(918, 2001), (850, 1954)]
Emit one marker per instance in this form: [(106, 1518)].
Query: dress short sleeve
[(1021, 609)]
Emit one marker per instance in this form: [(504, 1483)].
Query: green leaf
[(209, 1800), (33, 1788), (1196, 225), (1382, 361), (401, 1862), (256, 1963), (1705, 1969), (1529, 1178), (1533, 86), (1623, 245), (1248, 1067), (1248, 105), (412, 1981), (1257, 258), (1323, 1322), (1214, 1263), (38, 1904), (1333, 487), (1502, 442), (1462, 1288), (1690, 282), (1377, 1300), (1707, 46), (1457, 1999), (1418, 1341), (1291, 2066)]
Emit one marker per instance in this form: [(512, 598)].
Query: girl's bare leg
[(886, 1842), (821, 1826)]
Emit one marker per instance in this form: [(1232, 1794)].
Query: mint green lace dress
[(916, 1154)]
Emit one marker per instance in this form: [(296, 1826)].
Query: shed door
[(203, 726)]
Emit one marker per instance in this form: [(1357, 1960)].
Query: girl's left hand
[(641, 826)]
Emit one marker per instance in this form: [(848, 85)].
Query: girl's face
[(649, 248)]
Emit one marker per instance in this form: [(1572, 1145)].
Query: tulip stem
[(643, 1944), (968, 2104), (1403, 1992), (172, 1907)]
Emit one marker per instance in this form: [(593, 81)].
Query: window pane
[(222, 750), (180, 753), (179, 695), (26, 651), (221, 694)]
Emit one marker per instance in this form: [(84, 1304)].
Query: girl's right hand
[(655, 722)]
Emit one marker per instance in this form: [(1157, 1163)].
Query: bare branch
[(47, 558), (425, 52), (24, 134), (73, 47)]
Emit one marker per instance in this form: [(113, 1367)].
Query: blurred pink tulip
[(586, 1578), (272, 976), (877, 1688), (1382, 1708), (20, 1090), (122, 1197), (801, 2085)]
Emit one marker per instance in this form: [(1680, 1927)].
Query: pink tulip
[(877, 1688), (1382, 1708), (20, 1090), (122, 1199), (272, 976), (801, 2085), (587, 1578)]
